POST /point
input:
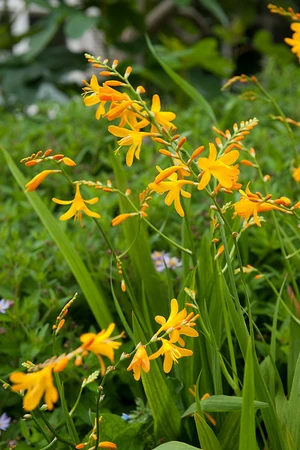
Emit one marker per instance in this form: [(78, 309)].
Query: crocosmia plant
[(177, 324)]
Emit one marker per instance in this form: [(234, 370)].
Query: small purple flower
[(162, 260), (4, 305), (4, 422)]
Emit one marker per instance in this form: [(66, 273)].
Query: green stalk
[(230, 343), (53, 431), (281, 113), (284, 254)]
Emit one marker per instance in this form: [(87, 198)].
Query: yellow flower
[(161, 117), (295, 41), (252, 204), (132, 138), (174, 320), (38, 179), (140, 360), (37, 384), (78, 205), (171, 353), (219, 168), (93, 94), (186, 330), (102, 344), (174, 186), (296, 172)]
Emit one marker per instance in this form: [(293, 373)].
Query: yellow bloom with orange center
[(171, 353), (174, 185), (295, 41), (140, 360), (131, 138), (77, 206), (38, 179), (220, 168), (163, 118), (102, 344), (296, 172), (251, 204), (37, 384), (174, 320)]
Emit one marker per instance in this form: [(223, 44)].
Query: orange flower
[(93, 94), (78, 205), (219, 168), (102, 344), (295, 41), (161, 117), (132, 138), (140, 360), (38, 179), (296, 170), (37, 384), (252, 204), (174, 186), (174, 320)]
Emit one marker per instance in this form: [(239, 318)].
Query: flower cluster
[(38, 382), (178, 323)]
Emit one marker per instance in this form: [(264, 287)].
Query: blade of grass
[(92, 292), (247, 428), (208, 439), (293, 410), (183, 84), (140, 253)]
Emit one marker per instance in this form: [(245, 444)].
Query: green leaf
[(165, 413), (41, 39), (183, 84), (269, 415), (93, 294), (206, 55), (247, 429), (208, 439), (229, 432), (145, 274), (174, 445), (222, 403), (78, 23), (293, 410), (216, 9)]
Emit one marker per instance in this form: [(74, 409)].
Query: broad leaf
[(93, 294)]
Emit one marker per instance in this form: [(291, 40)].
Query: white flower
[(4, 305), (162, 260), (4, 422)]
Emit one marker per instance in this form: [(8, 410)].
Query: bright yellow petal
[(230, 157), (155, 103), (205, 179)]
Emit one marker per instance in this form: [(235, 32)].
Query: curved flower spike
[(37, 384), (78, 205)]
